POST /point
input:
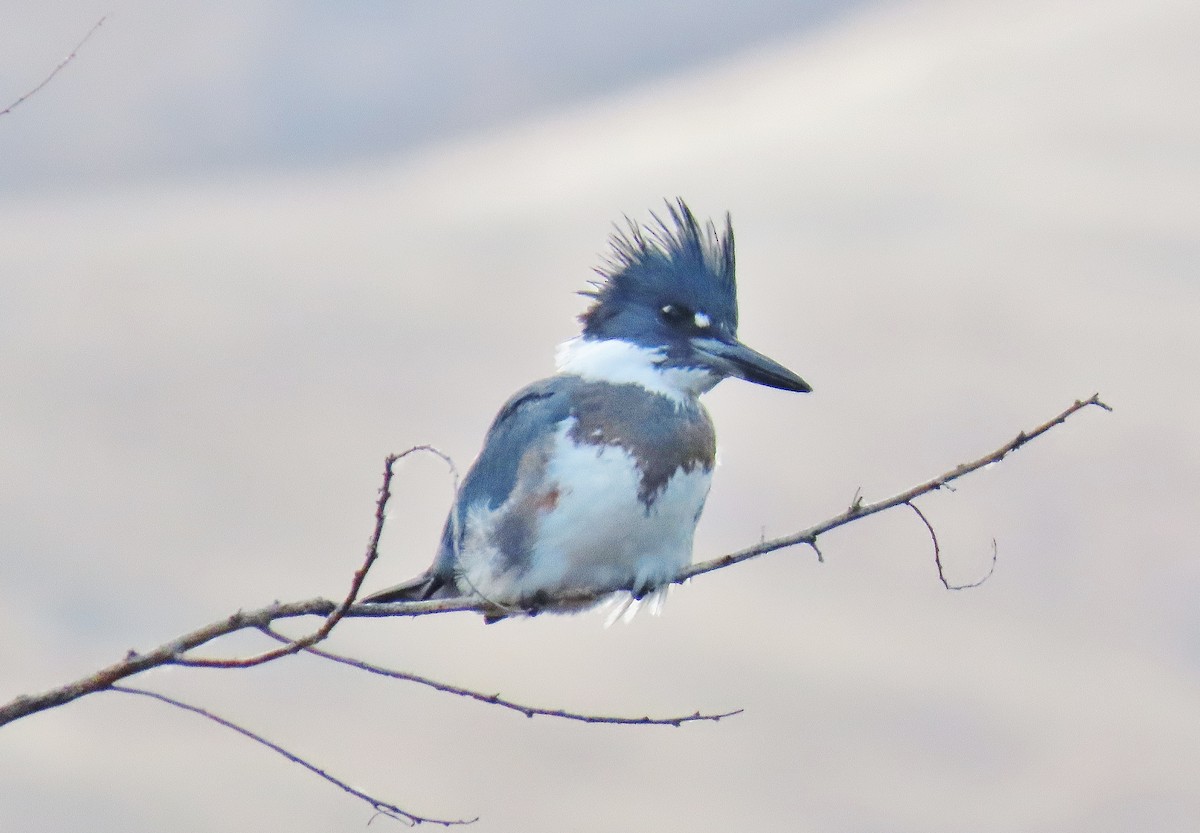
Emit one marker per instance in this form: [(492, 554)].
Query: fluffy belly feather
[(590, 531)]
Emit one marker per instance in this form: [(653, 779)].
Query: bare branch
[(858, 509), (173, 652), (165, 654), (381, 806), (497, 700), (57, 69)]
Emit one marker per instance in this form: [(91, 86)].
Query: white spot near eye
[(702, 321)]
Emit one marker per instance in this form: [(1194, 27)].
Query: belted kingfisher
[(592, 481)]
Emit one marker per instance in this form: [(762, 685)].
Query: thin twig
[(57, 69), (987, 575), (937, 555), (497, 700), (381, 806), (360, 575), (937, 549)]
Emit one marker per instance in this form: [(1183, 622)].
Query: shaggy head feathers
[(669, 269)]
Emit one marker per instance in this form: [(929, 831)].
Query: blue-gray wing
[(525, 422)]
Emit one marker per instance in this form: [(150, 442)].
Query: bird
[(591, 482)]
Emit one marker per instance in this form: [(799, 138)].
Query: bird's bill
[(732, 358)]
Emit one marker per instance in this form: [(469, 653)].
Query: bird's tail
[(428, 585)]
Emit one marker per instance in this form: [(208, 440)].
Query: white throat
[(625, 363)]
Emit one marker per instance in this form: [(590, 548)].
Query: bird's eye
[(678, 315), (675, 314)]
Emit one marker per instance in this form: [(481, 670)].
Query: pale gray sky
[(197, 89)]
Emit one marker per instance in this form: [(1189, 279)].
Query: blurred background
[(251, 248)]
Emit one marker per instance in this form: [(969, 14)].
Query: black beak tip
[(784, 381), (761, 370)]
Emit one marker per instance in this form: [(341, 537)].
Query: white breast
[(599, 536)]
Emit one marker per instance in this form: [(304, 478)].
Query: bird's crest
[(668, 261)]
